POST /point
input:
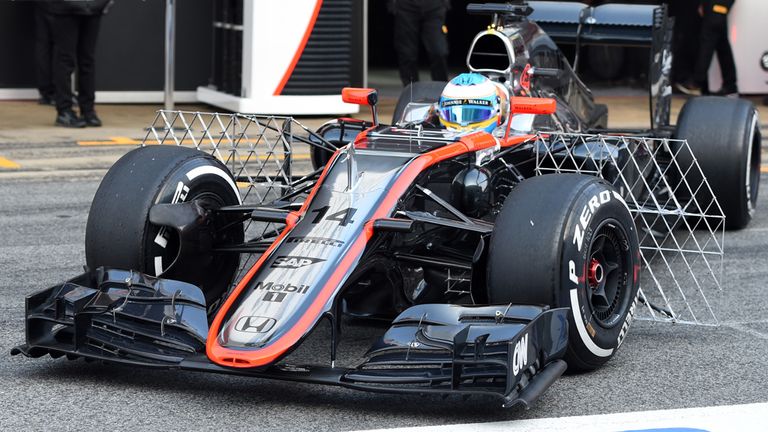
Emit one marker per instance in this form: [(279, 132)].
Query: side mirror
[(393, 225), (532, 105), (265, 214), (362, 96)]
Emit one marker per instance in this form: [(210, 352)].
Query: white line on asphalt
[(744, 322), (755, 229), (727, 418), (743, 328)]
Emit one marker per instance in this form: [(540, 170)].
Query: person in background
[(687, 29), (75, 26), (425, 20), (713, 38), (44, 55)]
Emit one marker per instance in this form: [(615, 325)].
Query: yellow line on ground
[(764, 169), (277, 157), (7, 163), (130, 141), (168, 141), (111, 141)]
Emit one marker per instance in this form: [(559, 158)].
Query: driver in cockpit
[(471, 102)]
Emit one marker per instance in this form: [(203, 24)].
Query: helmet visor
[(466, 111)]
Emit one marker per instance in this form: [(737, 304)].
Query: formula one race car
[(495, 279)]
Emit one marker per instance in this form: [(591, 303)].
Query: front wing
[(511, 351)]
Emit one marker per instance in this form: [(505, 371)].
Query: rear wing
[(616, 24)]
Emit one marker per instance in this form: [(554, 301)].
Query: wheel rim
[(608, 284)]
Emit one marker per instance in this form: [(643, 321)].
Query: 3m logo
[(275, 297), (294, 262), (255, 324)]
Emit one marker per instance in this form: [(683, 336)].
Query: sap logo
[(520, 355), (294, 262), (323, 241), (282, 288), (255, 324)]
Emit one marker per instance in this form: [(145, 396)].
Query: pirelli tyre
[(724, 137), (119, 233), (420, 92), (568, 240)]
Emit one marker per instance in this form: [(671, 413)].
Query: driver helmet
[(471, 102)]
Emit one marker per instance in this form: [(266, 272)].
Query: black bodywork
[(396, 227)]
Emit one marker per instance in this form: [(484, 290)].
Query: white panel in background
[(278, 28), (748, 31)]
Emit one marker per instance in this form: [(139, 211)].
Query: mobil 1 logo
[(277, 292)]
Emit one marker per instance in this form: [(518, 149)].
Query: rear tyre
[(568, 240), (335, 134), (119, 233), (724, 137), (319, 155), (420, 91)]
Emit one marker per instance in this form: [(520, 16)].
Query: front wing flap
[(117, 314), (509, 351)]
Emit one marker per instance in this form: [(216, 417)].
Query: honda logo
[(255, 324)]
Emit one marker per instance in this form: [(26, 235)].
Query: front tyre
[(119, 233), (568, 240)]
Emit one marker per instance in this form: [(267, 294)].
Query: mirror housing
[(362, 96), (532, 105), (265, 214), (393, 225)]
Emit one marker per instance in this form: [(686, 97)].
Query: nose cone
[(295, 281)]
